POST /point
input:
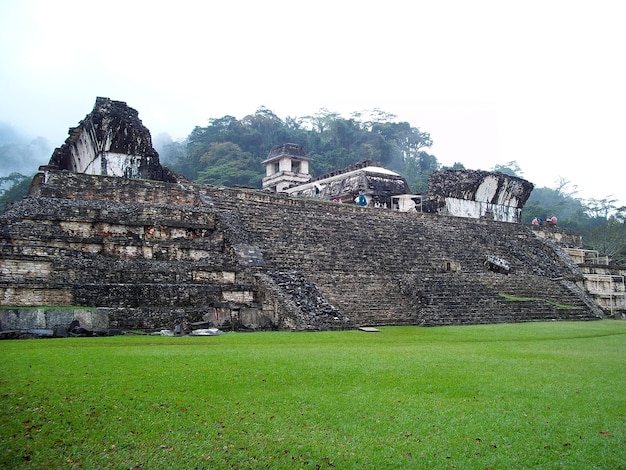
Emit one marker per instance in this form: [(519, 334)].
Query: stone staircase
[(360, 259)]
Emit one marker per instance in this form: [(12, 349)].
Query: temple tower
[(287, 165)]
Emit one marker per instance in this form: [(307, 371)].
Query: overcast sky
[(542, 83)]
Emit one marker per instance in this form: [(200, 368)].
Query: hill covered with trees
[(229, 151)]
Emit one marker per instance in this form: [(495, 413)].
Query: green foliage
[(455, 166), (511, 168), (332, 141), (13, 187), (610, 240), (601, 208), (488, 396), (225, 164), (546, 202)]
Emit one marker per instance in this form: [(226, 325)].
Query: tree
[(225, 164), (565, 188), (418, 170), (609, 240), (601, 207), (13, 187), (620, 214), (261, 130), (455, 166), (511, 168), (320, 121), (547, 202)]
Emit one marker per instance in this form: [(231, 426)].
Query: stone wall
[(154, 254)]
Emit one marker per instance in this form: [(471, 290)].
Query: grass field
[(509, 396)]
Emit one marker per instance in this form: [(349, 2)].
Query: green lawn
[(534, 395)]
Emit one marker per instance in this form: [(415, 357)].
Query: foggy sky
[(537, 82)]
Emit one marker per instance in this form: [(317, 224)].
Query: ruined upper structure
[(111, 141), (376, 183), (475, 193), (461, 193)]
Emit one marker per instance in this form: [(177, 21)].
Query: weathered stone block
[(238, 296), (22, 319), (27, 296), (19, 271)]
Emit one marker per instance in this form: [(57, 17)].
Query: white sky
[(539, 82)]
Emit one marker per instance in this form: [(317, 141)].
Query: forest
[(229, 151)]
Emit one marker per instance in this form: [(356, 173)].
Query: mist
[(21, 153)]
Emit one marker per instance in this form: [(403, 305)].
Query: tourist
[(361, 200)]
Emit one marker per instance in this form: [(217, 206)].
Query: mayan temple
[(110, 238)]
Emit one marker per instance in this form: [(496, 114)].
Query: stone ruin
[(460, 193), (286, 165), (378, 185), (154, 254), (111, 141), (475, 193)]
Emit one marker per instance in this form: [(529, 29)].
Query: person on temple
[(361, 200), (535, 221)]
